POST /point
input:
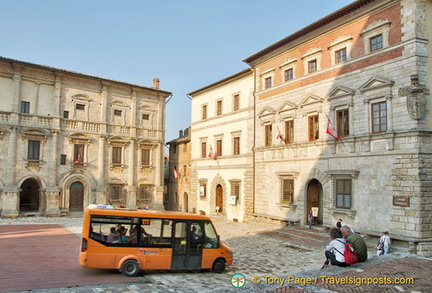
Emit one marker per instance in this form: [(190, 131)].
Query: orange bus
[(134, 240)]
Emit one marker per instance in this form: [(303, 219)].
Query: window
[(289, 74), (33, 150), (203, 189), (268, 135), (204, 112), (219, 108), (289, 131), (203, 149), (341, 55), (116, 155), (210, 233), (80, 106), (117, 112), (342, 122), (379, 117), (312, 66), (235, 190), (236, 102), (313, 127), (145, 116), (62, 159), (145, 157), (267, 82), (376, 42), (25, 107), (343, 193), (66, 114), (78, 153), (115, 192), (145, 192), (219, 147), (236, 143), (287, 191)]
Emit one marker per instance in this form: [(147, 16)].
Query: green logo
[(238, 280)]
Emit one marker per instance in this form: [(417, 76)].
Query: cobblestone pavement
[(267, 254)]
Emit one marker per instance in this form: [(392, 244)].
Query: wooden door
[(313, 198), (219, 198), (76, 198)]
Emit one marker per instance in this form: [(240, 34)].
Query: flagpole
[(280, 136), (334, 129)]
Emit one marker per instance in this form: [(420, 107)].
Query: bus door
[(188, 247)]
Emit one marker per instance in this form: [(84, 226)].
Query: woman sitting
[(335, 250)]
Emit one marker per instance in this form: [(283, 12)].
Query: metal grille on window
[(343, 193)]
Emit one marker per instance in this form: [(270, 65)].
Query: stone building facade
[(363, 71), (69, 139), (222, 139), (179, 174)]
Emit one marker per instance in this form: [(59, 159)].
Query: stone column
[(158, 174), (104, 110), (36, 104), (52, 193), (16, 92), (11, 190), (100, 194), (131, 200)]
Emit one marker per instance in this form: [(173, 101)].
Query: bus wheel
[(219, 266), (130, 268)]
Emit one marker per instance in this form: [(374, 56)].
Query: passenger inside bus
[(123, 238), (113, 236)]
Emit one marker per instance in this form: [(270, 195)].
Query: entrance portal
[(219, 198), (314, 201), (29, 196), (76, 197)]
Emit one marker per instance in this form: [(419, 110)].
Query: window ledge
[(36, 164), (287, 205), (348, 212), (117, 166), (79, 165), (144, 167)]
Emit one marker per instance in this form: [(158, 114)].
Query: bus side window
[(96, 233), (157, 233), (211, 239)]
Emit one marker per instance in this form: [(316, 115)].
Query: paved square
[(46, 256)]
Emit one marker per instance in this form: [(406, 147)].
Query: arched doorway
[(185, 202), (219, 198), (314, 200), (29, 196), (76, 197)]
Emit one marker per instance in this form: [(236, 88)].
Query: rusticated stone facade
[(366, 70), (69, 139)]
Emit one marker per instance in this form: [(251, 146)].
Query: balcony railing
[(72, 125)]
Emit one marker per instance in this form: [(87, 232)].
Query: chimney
[(156, 83)]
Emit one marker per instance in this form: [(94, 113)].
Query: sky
[(187, 44)]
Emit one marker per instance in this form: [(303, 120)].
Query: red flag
[(280, 136), (176, 174), (212, 154), (331, 130)]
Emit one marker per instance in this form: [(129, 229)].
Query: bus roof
[(144, 213)]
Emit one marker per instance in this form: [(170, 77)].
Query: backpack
[(349, 254)]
